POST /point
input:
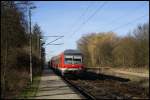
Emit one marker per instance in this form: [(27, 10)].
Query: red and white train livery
[(68, 61)]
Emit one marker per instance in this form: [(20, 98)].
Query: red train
[(68, 61)]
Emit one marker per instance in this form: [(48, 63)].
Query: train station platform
[(53, 87)]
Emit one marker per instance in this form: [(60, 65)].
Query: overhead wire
[(73, 25), (120, 17), (54, 40), (129, 22), (91, 16), (88, 18), (82, 15)]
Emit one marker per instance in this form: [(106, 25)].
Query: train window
[(68, 60), (68, 56), (77, 59), (73, 59)]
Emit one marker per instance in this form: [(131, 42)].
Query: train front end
[(72, 62)]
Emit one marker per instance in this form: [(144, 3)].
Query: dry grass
[(144, 70)]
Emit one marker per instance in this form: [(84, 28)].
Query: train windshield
[(77, 60), (73, 59), (68, 59)]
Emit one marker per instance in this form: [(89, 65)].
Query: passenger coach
[(70, 61)]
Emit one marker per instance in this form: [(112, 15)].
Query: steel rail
[(81, 90)]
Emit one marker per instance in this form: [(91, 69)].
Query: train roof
[(71, 51), (68, 52)]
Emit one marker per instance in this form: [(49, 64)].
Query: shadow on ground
[(86, 75)]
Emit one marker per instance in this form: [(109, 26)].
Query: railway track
[(81, 90), (93, 86)]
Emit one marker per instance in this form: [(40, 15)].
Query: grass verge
[(31, 90)]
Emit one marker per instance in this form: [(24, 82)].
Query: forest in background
[(15, 48), (106, 49), (103, 49)]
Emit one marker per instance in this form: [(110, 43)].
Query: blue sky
[(65, 17)]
